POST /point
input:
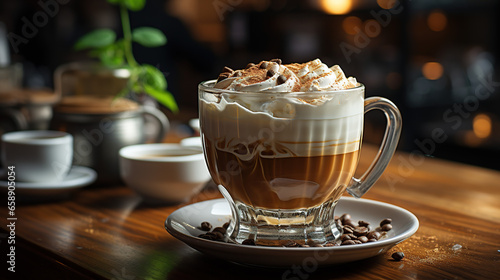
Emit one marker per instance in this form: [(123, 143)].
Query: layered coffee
[(282, 136)]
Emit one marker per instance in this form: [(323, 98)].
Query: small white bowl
[(164, 173), (195, 124)]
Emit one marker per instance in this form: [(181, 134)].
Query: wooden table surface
[(108, 233)]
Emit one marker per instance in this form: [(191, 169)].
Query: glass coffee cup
[(283, 160)]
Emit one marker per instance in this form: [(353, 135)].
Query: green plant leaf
[(114, 1), (134, 5), (153, 77), (112, 55), (162, 96), (96, 39), (149, 37)]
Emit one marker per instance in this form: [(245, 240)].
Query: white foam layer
[(278, 126)]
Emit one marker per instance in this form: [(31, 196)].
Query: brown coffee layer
[(282, 183)]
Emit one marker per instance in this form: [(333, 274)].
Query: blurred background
[(436, 59)]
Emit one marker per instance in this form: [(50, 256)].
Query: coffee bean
[(281, 79), (222, 76), (363, 224), (385, 221), (345, 217), (358, 231), (248, 242), (290, 243), (270, 73), (348, 242), (206, 226), (211, 234), (249, 65), (345, 237), (348, 230), (398, 256), (219, 229), (276, 60), (349, 222), (386, 227), (373, 235), (218, 235), (353, 233), (363, 239), (263, 65), (313, 243), (204, 236), (227, 70), (349, 226)]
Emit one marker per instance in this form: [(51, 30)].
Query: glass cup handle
[(358, 187)]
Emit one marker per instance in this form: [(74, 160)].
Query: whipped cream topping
[(272, 76), (278, 125)]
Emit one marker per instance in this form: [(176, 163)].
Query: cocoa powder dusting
[(294, 67), (258, 73), (254, 74), (308, 83)]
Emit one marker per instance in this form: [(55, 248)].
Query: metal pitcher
[(100, 123)]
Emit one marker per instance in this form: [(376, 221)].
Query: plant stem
[(127, 36)]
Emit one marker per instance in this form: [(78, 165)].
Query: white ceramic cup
[(164, 173), (38, 155), (191, 141)]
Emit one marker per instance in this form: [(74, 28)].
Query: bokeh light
[(437, 21), (336, 7), (372, 28), (432, 70), (350, 23), (471, 139), (481, 125), (386, 4)]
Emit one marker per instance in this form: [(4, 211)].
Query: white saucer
[(183, 224), (78, 176)]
